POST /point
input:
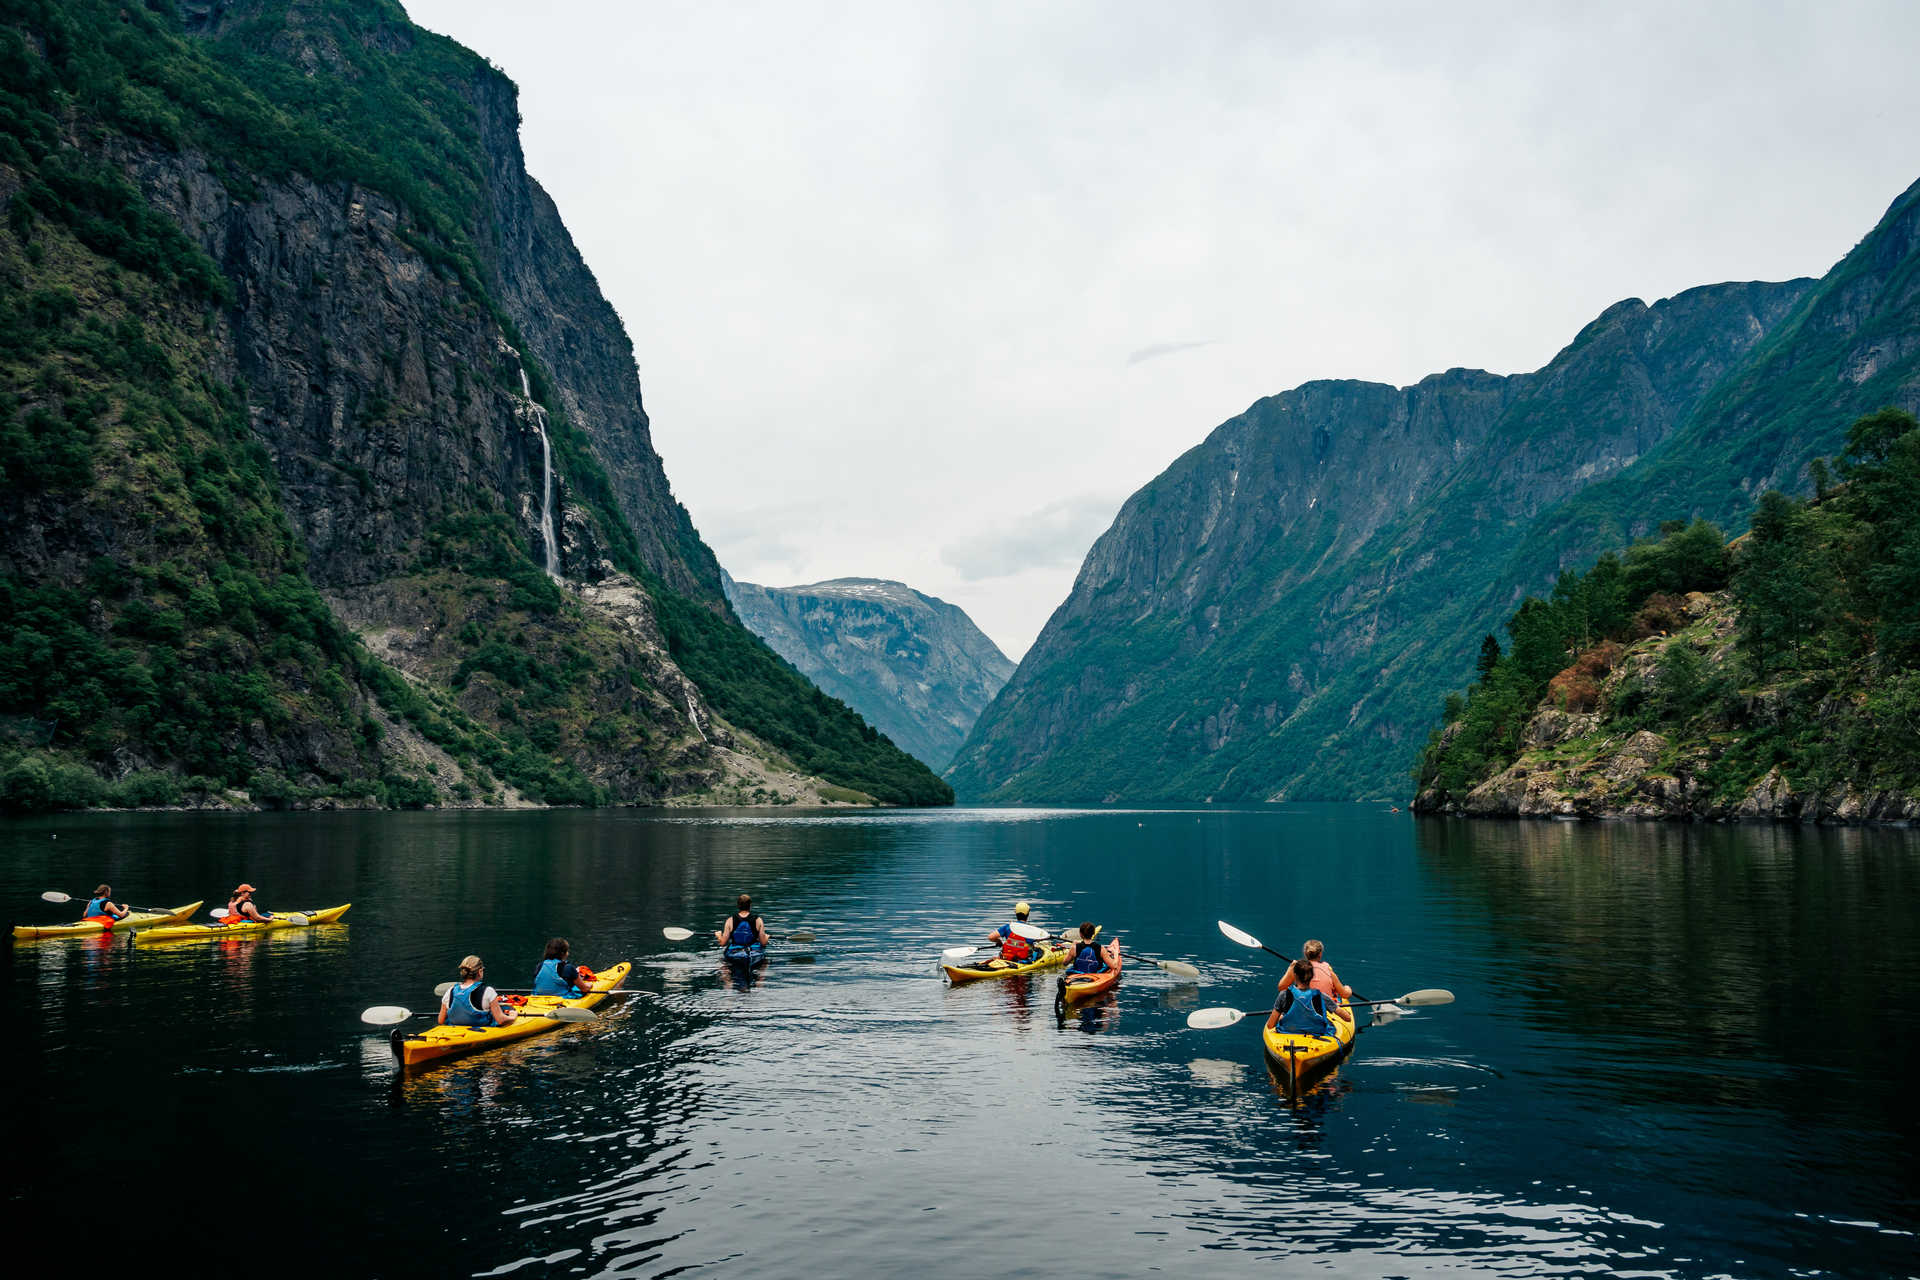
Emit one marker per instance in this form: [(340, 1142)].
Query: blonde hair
[(1314, 949), (470, 968)]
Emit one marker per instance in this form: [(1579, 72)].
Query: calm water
[(1676, 1051)]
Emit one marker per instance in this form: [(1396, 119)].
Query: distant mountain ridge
[(916, 667), (1277, 614)]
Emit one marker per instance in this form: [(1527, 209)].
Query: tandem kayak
[(211, 932), (1294, 1057), (134, 920), (436, 1043), (1075, 987), (1052, 955)]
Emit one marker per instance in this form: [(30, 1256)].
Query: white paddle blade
[(565, 1013), (440, 991), (805, 935), (675, 934), (1431, 995), (385, 1015), (957, 953), (1240, 936), (1027, 931), (219, 913), (54, 895), (299, 921), (1213, 1019), (1179, 969)]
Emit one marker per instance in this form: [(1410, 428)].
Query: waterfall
[(546, 487)]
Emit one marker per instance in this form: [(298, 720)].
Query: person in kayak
[(1302, 1009), (1013, 948), (1325, 980), (556, 977), (743, 929), (1089, 956), (470, 1002), (101, 908), (240, 907)]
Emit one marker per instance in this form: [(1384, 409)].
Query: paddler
[(470, 1002), (101, 909), (1089, 956), (1301, 1008), (743, 928), (556, 977), (1324, 979), (1013, 948), (241, 907)]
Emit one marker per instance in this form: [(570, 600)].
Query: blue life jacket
[(462, 1009), (549, 982), (1303, 1013), (1087, 959), (96, 907)]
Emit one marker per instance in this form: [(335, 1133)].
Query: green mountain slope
[(1277, 614), (1776, 678), (280, 377)]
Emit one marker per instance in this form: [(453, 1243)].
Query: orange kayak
[(1076, 987)]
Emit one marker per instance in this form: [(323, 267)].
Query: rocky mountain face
[(327, 473), (915, 667), (1276, 615)]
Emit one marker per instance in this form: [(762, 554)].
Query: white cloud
[(1052, 537), (877, 258), (1155, 350)]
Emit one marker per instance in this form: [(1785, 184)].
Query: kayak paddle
[(1213, 1019), (386, 1015), (294, 918), (1246, 939), (674, 933), (1178, 968), (54, 895)]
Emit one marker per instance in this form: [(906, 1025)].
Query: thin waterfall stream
[(546, 483)]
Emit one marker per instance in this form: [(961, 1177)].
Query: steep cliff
[(914, 666), (1273, 615), (294, 343)]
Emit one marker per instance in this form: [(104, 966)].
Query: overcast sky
[(924, 291)]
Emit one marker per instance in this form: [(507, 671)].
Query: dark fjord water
[(1676, 1051)]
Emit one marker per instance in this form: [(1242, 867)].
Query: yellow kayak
[(1294, 1057), (211, 932), (436, 1043), (1053, 955), (134, 920)]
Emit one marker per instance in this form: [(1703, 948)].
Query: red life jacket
[(1015, 948)]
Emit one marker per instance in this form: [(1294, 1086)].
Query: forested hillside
[(326, 477), (1686, 678)]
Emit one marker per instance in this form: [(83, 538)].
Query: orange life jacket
[(1015, 948)]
